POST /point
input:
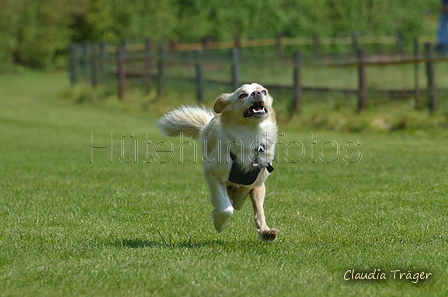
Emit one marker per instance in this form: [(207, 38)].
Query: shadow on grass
[(139, 243)]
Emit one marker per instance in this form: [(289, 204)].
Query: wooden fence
[(151, 63)]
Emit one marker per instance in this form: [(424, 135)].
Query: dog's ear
[(221, 102)]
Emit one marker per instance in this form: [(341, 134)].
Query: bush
[(36, 33)]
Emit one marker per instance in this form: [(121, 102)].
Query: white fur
[(229, 130), (188, 120)]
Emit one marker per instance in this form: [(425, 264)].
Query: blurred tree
[(34, 31), (8, 19), (42, 31), (223, 20), (155, 19), (37, 32)]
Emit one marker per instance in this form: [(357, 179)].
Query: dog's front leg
[(257, 196), (238, 195), (223, 208)]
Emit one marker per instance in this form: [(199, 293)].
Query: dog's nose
[(256, 95)]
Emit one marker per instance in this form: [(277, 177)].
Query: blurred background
[(338, 54), (37, 33)]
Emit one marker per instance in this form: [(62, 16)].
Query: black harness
[(238, 177)]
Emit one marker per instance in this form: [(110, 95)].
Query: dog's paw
[(221, 218), (268, 235)]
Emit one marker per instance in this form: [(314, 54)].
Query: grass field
[(143, 228)]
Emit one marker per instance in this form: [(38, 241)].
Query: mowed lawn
[(96, 202)]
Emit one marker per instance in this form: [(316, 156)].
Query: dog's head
[(249, 102)]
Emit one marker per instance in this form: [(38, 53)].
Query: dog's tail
[(188, 120)]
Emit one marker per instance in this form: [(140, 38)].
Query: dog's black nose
[(257, 95)]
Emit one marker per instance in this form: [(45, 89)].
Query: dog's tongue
[(257, 109)]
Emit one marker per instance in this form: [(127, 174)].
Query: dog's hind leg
[(238, 195), (223, 208), (257, 196)]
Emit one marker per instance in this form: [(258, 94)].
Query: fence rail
[(151, 63)]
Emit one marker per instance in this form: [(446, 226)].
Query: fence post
[(173, 45), (95, 66), (317, 44), (161, 70), (297, 83), (362, 81), (199, 76), (400, 42), (418, 103), (121, 60), (207, 45), (356, 46), (279, 45), (73, 64), (238, 43), (147, 70), (102, 57), (85, 60), (236, 68), (430, 74)]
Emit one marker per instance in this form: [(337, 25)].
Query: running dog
[(238, 144)]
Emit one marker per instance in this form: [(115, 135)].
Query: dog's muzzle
[(257, 108)]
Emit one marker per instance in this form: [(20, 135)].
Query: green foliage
[(36, 32), (7, 39), (225, 20)]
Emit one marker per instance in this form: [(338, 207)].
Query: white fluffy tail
[(188, 120)]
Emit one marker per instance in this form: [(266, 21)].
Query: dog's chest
[(244, 176), (248, 164)]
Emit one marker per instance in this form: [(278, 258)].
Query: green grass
[(74, 228), (319, 111)]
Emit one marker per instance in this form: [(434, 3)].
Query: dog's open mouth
[(256, 109)]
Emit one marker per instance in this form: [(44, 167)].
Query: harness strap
[(238, 177)]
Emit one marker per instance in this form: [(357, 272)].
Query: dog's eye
[(264, 92), (242, 96)]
